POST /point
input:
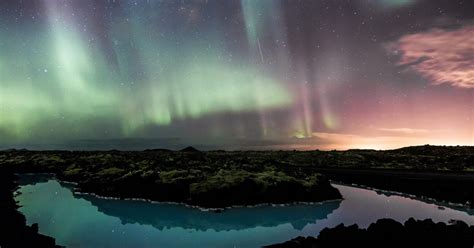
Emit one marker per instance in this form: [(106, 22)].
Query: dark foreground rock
[(13, 231), (390, 233), (223, 188)]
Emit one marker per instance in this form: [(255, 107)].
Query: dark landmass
[(390, 233), (219, 179), (447, 186), (224, 178), (189, 149), (14, 230), (210, 180)]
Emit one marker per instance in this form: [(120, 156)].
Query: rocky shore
[(224, 178), (14, 230), (446, 186), (390, 233), (220, 179), (220, 189), (207, 180)]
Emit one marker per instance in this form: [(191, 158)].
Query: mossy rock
[(111, 172)]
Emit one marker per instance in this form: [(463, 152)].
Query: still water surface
[(86, 221)]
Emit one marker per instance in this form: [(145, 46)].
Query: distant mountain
[(189, 149), (434, 150)]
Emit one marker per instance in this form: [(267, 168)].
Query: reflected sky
[(164, 216)]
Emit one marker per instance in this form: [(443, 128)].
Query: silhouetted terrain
[(211, 179), (390, 233), (224, 178), (14, 231), (443, 173)]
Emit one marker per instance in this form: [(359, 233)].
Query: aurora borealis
[(302, 74)]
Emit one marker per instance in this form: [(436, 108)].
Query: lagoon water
[(76, 220)]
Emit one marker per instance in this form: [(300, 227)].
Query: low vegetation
[(224, 178), (210, 179), (423, 158)]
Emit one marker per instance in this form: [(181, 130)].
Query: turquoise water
[(86, 221)]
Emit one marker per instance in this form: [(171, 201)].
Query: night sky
[(292, 74)]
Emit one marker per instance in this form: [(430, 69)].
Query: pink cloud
[(441, 56)]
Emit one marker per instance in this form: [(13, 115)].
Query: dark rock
[(13, 231), (390, 233)]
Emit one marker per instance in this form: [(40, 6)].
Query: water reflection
[(86, 221), (170, 215), (441, 205)]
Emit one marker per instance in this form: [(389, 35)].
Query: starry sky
[(255, 74)]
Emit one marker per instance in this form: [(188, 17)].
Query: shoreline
[(204, 209), (411, 196), (15, 232), (426, 199), (389, 233), (450, 187), (77, 191)]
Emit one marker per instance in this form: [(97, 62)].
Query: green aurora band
[(55, 79), (235, 74)]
